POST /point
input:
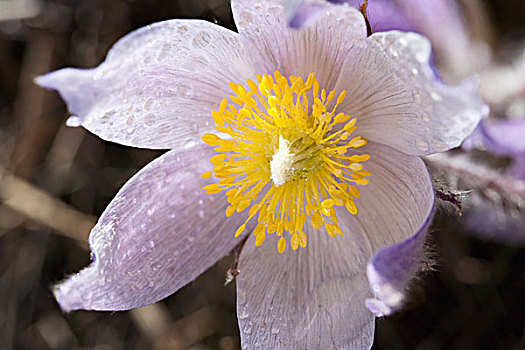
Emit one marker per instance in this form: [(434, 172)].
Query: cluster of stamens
[(285, 157)]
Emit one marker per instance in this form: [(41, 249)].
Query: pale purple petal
[(394, 210), (312, 298), (159, 233), (502, 137), (306, 14), (393, 92), (393, 268), (475, 140), (157, 85), (315, 298), (385, 15), (506, 137), (321, 48)]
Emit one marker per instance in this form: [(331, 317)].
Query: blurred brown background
[(55, 181)]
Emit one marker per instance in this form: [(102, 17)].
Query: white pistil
[(281, 163)]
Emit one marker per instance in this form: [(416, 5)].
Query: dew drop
[(275, 10), (416, 96), (201, 40), (275, 330), (423, 145), (149, 119), (246, 16), (149, 104), (435, 96), (248, 329), (152, 244), (244, 313), (74, 121), (189, 144)]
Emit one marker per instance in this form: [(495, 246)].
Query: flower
[(502, 137), (164, 87)]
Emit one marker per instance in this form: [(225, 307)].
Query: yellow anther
[(240, 230), (281, 245), (294, 241), (211, 139), (328, 203), (212, 189), (302, 239), (207, 175), (260, 237), (351, 207), (286, 157)]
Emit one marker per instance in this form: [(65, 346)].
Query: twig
[(40, 206), (362, 9), (487, 182), (234, 271)]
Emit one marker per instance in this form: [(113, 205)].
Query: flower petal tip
[(68, 294), (388, 299), (377, 307), (55, 80)]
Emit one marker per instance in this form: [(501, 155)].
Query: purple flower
[(294, 162), (502, 137)]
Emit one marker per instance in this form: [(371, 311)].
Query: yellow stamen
[(287, 153)]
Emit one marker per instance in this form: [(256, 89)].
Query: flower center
[(286, 155)]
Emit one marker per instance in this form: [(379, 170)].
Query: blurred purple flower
[(157, 88), (504, 137)]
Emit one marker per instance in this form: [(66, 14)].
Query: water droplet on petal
[(244, 313), (74, 121), (248, 329), (189, 144), (423, 145), (150, 119), (435, 96)]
